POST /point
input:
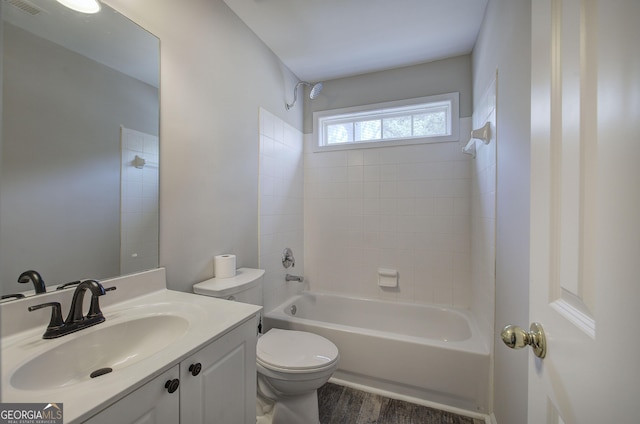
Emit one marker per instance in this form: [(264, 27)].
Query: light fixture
[(82, 6)]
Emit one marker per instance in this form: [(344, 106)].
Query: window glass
[(368, 130), (398, 127), (340, 133), (427, 124), (424, 120)]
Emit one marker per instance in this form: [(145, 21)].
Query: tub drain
[(101, 371), (293, 309)]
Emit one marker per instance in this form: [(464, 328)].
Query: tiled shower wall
[(483, 212), (281, 206), (406, 208)]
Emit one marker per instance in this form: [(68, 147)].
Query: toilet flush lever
[(517, 338)]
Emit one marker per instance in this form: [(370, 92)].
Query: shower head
[(315, 91)]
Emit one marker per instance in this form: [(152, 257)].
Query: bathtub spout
[(297, 278)]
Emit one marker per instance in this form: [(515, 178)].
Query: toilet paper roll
[(224, 266)]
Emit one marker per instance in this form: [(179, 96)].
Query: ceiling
[(327, 39)]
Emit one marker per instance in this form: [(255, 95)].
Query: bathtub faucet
[(297, 278)]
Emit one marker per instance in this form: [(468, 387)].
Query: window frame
[(386, 110)]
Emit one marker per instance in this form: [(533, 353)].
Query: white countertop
[(208, 318)]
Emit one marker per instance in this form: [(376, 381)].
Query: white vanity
[(166, 351)]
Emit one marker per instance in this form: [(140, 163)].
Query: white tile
[(443, 295), (443, 206), (388, 189), (371, 206), (425, 206), (388, 206), (388, 240), (371, 173), (371, 190), (355, 158), (371, 156), (388, 172), (355, 189), (407, 188), (406, 206), (461, 206), (355, 173), (462, 169), (387, 222)]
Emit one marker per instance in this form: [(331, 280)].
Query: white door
[(585, 211)]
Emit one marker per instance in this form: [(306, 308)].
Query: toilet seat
[(295, 351)]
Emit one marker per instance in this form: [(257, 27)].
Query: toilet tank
[(245, 286)]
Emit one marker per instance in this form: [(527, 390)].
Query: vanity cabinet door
[(150, 404), (218, 383)]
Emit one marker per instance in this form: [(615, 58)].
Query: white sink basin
[(113, 347), (148, 330)]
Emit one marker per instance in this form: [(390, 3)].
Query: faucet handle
[(12, 296), (94, 308), (287, 258), (66, 285), (56, 317)]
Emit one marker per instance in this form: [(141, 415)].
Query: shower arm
[(295, 93)]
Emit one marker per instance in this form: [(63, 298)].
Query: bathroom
[(217, 76)]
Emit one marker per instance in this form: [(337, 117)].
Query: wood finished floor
[(344, 405)]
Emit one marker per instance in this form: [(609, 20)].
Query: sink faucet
[(35, 278), (75, 319), (75, 311)]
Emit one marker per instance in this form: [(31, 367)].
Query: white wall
[(281, 207), (441, 76), (215, 74), (504, 44)]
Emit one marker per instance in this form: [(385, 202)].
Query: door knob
[(517, 338)]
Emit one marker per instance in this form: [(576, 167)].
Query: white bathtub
[(427, 352)]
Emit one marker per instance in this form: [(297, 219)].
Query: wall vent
[(26, 6)]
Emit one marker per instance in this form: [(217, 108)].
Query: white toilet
[(291, 365)]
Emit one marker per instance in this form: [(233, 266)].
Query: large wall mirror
[(80, 148)]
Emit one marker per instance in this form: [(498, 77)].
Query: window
[(422, 120)]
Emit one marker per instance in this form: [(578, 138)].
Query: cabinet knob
[(195, 368), (172, 385)]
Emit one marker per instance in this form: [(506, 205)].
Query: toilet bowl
[(291, 365)]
